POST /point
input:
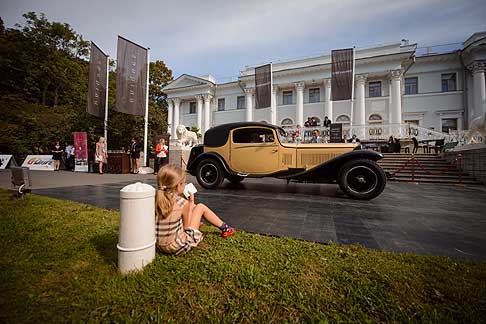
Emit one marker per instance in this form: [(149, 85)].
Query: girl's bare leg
[(202, 211)]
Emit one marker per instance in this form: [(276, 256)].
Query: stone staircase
[(429, 168)]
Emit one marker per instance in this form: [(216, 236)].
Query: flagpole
[(145, 152), (105, 123), (272, 103), (352, 89)]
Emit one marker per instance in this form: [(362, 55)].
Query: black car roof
[(218, 135)]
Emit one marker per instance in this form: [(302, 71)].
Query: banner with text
[(80, 151), (263, 86), (5, 160), (342, 74), (131, 77), (39, 162), (98, 76)]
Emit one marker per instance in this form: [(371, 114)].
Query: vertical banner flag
[(342, 74), (80, 151), (98, 67), (263, 86), (131, 77)]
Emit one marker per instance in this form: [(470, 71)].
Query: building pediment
[(186, 81)]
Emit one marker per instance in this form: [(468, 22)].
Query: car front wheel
[(362, 179), (209, 174)]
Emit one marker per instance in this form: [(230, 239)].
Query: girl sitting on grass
[(177, 220)]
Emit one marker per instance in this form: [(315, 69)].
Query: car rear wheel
[(234, 178), (209, 174), (362, 179)]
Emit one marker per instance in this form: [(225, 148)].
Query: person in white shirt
[(69, 157)]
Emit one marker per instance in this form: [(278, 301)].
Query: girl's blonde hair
[(168, 177)]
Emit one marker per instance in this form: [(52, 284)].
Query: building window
[(192, 107), (287, 122), (375, 89), (343, 119), (375, 119), (411, 86), (221, 104), (449, 124), (287, 98), (314, 95), (240, 102), (448, 82), (412, 122)]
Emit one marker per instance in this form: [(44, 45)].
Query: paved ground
[(425, 219)]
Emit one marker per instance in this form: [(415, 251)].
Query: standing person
[(354, 139), (161, 151), (326, 122), (57, 155), (69, 157), (178, 220), (101, 155), (135, 153)]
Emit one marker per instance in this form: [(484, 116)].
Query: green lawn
[(59, 264)]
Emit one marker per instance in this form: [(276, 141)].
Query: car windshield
[(285, 136)]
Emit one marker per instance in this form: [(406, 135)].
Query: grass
[(59, 264)]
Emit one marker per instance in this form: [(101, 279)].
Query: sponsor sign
[(336, 133), (80, 151), (4, 159), (39, 162)]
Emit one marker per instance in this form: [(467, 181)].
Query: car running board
[(242, 174)]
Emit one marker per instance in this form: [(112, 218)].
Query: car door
[(254, 150)]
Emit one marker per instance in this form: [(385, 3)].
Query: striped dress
[(171, 236)]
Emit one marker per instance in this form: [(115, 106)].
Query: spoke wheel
[(362, 179), (209, 174)]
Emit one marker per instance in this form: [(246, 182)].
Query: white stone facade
[(392, 85)]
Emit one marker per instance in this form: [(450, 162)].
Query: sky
[(221, 37)]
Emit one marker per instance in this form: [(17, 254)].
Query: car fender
[(194, 162), (330, 168)]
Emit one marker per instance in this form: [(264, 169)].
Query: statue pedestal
[(179, 156)]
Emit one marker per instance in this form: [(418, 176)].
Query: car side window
[(253, 135)]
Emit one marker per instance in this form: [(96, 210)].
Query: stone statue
[(478, 125), (185, 138)]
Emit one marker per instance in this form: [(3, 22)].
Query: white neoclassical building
[(393, 85)]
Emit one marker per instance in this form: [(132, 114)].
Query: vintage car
[(242, 150)]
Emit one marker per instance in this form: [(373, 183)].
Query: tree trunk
[(55, 96), (44, 95)]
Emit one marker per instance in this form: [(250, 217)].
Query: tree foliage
[(43, 90)]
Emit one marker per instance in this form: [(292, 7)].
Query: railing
[(369, 132)]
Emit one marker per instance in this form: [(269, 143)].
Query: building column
[(199, 107), (479, 86), (328, 102), (359, 107), (396, 97), (249, 104), (170, 108), (273, 107), (207, 111), (177, 103), (299, 87)]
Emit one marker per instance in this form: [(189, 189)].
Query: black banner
[(263, 86), (342, 74), (336, 133), (97, 82), (131, 77)]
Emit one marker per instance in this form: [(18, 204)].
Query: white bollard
[(136, 241)]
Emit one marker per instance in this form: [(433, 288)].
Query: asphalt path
[(447, 220)]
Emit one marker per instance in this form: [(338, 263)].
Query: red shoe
[(227, 233)]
